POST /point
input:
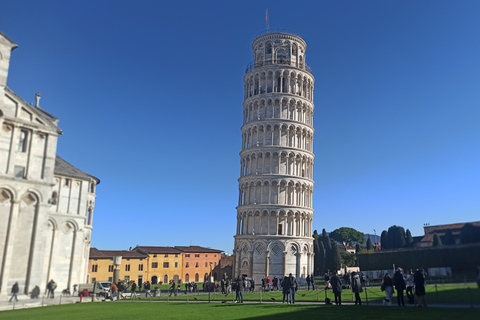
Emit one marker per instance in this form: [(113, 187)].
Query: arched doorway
[(165, 279), (187, 278), (196, 277), (154, 280)]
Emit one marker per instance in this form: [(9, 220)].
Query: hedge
[(459, 258)]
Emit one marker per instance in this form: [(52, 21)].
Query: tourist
[(51, 286), (238, 289), (268, 282), (312, 279), (35, 293), (132, 290), (113, 290), (409, 284), (336, 288), (264, 283), (387, 286), (14, 292), (308, 282), (419, 281), (173, 289), (147, 289), (293, 287), (275, 282), (286, 290), (399, 283), (357, 288), (252, 285)]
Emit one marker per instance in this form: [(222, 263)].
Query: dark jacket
[(293, 283), (356, 284), (15, 288), (286, 285), (388, 282), (336, 284), (398, 281), (239, 285)]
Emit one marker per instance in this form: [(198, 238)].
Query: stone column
[(267, 263), (284, 268)]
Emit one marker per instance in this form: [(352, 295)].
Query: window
[(206, 264), (165, 264), (94, 259), (127, 278), (110, 268), (110, 279), (155, 255), (92, 187), (128, 259), (176, 255), (215, 255), (176, 264), (280, 229), (94, 279), (187, 255), (127, 267), (23, 142), (206, 255), (197, 255), (140, 267), (67, 182), (19, 172), (166, 255), (154, 265), (94, 268), (187, 265), (196, 264)]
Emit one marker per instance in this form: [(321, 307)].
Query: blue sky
[(149, 96)]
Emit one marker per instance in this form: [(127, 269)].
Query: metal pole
[(366, 296)]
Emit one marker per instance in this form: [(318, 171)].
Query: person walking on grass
[(357, 288), (409, 286), (336, 288), (293, 287), (399, 283), (419, 281), (387, 285), (286, 289), (14, 292), (239, 289)]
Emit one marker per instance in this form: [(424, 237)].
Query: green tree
[(384, 239), (336, 259), (437, 241), (348, 259), (448, 239), (348, 235), (396, 237), (369, 244), (358, 248), (319, 259), (408, 238), (329, 263)]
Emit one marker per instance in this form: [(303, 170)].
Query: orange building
[(199, 263), (133, 267)]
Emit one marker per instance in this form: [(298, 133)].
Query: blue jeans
[(240, 296), (14, 294), (288, 297), (292, 293)]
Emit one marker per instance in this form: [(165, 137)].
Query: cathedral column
[(267, 263), (284, 267)]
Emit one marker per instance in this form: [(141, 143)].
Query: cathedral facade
[(274, 212), (46, 204)]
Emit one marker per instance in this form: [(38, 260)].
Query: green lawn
[(164, 310), (442, 294)]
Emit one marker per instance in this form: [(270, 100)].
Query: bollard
[(366, 296)]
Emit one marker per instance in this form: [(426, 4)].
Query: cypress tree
[(384, 239), (336, 259), (369, 244), (408, 238), (358, 248), (437, 241)]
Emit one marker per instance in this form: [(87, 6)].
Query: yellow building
[(133, 267), (164, 264)]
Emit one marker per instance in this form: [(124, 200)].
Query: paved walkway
[(24, 301)]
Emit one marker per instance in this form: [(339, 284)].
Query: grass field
[(442, 294), (164, 310)]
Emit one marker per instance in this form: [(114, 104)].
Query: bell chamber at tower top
[(279, 49), (279, 67)]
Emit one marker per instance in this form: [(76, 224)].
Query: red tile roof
[(152, 249), (197, 249), (109, 254)]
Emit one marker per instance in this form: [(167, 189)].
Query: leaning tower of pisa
[(274, 213)]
